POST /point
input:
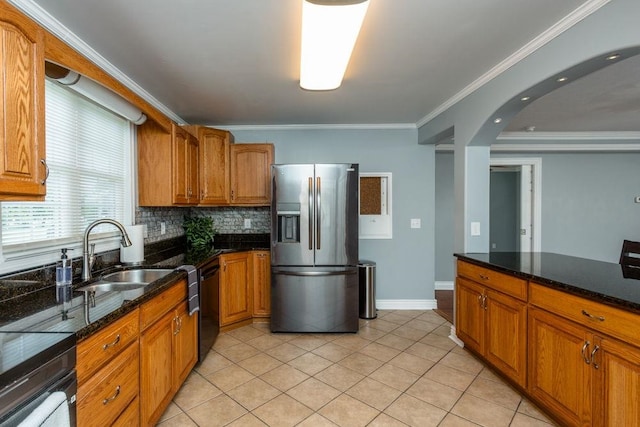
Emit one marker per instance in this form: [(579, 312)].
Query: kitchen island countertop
[(599, 281)]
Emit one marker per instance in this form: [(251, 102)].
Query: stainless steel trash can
[(367, 276)]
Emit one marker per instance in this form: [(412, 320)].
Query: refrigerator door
[(292, 210), (336, 206), (314, 300)]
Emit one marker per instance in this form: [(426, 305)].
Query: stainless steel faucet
[(88, 257)]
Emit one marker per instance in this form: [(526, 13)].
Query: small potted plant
[(200, 231)]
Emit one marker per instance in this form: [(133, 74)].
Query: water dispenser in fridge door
[(288, 222)]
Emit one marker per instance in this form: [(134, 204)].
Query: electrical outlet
[(247, 223), (163, 228)]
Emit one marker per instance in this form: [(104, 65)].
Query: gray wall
[(444, 207), (405, 264), (587, 204)]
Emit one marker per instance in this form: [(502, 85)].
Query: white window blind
[(87, 150)]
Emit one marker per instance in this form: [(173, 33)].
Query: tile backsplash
[(226, 220)]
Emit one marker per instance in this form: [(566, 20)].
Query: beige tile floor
[(399, 369)]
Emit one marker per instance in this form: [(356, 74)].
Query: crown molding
[(570, 136), (363, 126), (554, 148), (55, 27), (551, 33)]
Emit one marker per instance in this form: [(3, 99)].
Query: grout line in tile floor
[(400, 369)]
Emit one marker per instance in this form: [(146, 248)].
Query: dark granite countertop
[(599, 281), (28, 300)]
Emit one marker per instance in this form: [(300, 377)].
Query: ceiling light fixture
[(329, 33), (525, 98), (613, 57), (497, 120), (562, 79)]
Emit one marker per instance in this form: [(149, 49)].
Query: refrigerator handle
[(318, 210), (311, 213), (316, 273)]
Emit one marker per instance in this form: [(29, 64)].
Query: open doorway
[(514, 200)]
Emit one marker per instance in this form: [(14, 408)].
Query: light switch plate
[(475, 228), (247, 223), (415, 223)]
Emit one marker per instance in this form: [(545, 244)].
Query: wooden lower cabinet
[(494, 325), (110, 391), (261, 284), (583, 377), (558, 375), (236, 293), (168, 352)]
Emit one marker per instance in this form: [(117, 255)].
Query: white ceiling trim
[(362, 126), (552, 32), (569, 136), (552, 148), (46, 20)]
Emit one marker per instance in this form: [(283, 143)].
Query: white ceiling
[(236, 62)]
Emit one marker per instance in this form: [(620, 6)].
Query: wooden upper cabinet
[(185, 168), (167, 166), (215, 185), (22, 140), (250, 174)]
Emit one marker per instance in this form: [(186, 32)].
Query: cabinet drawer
[(157, 307), (598, 317), (501, 282), (130, 417), (106, 394), (101, 347)]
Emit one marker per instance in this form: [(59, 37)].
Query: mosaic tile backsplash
[(226, 220)]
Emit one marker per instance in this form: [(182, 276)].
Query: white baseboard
[(444, 286), (406, 304), (453, 337)]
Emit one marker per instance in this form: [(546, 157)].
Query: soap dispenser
[(64, 278)]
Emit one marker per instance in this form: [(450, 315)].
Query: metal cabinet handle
[(483, 277), (480, 297), (593, 355), (584, 354), (110, 399), (484, 302), (111, 344), (46, 175), (591, 316)]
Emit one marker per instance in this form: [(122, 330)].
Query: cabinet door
[(261, 284), (215, 186), (180, 166), (193, 180), (558, 374), (470, 314), (156, 369), (235, 288), (250, 174), (506, 335), (22, 141), (616, 391), (185, 345)]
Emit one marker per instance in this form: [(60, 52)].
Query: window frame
[(28, 255)]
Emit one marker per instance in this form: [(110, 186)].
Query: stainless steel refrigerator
[(314, 248)]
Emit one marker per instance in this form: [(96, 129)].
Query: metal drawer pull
[(483, 277), (46, 167), (110, 399), (116, 341), (591, 316), (584, 354), (593, 354)]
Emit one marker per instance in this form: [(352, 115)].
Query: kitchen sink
[(103, 286), (137, 276)]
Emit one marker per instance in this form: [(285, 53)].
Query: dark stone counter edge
[(571, 289), (151, 291)]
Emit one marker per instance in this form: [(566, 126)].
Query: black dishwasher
[(209, 321)]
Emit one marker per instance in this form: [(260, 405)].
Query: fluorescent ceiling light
[(329, 33)]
